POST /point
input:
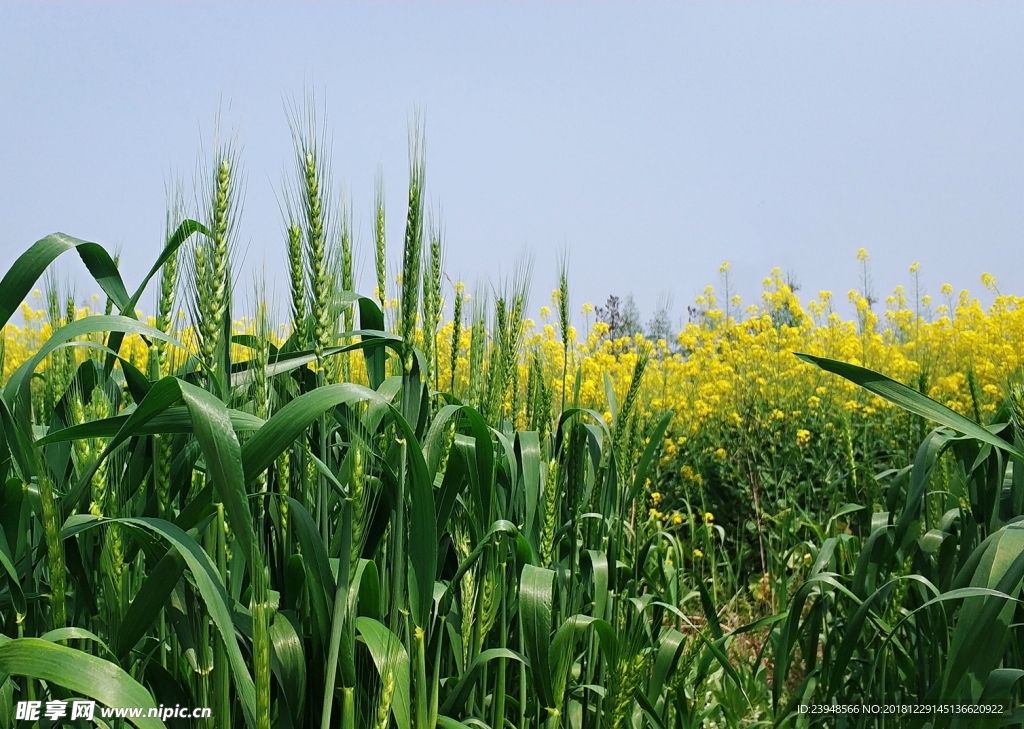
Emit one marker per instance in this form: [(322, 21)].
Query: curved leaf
[(389, 655), (78, 672), (460, 694), (30, 265), (536, 590), (83, 327), (910, 400)]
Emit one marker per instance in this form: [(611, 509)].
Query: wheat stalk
[(54, 549), (379, 243), (260, 607), (550, 523), (411, 254), (563, 317), (313, 188), (456, 344), (221, 208), (432, 306), (346, 284), (297, 281), (478, 350)]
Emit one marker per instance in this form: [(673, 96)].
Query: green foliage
[(372, 551)]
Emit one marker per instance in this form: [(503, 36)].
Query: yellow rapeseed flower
[(726, 382)]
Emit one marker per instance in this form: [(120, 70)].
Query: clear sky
[(653, 141)]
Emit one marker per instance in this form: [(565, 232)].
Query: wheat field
[(424, 508)]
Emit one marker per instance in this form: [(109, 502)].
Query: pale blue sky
[(653, 140)]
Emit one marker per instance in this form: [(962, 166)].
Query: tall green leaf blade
[(320, 582), (984, 621), (910, 400), (30, 265), (61, 634), (456, 700), (79, 672), (150, 599), (288, 660), (389, 655), (536, 597), (527, 447), (170, 421), (563, 647), (13, 580), (372, 318), (650, 451), (422, 526), (223, 458), (286, 425), (671, 647)]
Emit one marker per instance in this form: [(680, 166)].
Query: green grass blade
[(150, 599), (910, 400), (30, 265), (170, 421), (536, 594), (671, 647), (389, 655), (184, 231), (288, 660), (79, 672), (650, 451), (13, 580), (372, 318), (997, 690), (527, 448), (984, 622), (456, 700), (287, 424), (60, 634), (563, 648), (223, 457), (320, 584)]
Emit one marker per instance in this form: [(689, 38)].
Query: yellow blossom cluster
[(740, 398)]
